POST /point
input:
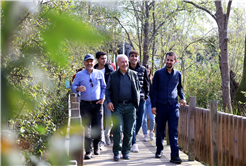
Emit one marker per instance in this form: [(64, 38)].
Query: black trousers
[(92, 121)]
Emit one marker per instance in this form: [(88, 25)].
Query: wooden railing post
[(191, 129), (214, 133), (244, 136), (75, 131)]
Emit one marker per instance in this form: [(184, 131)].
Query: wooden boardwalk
[(145, 157)]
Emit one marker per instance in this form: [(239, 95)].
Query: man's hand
[(183, 102), (81, 88), (100, 101), (153, 110), (111, 106)]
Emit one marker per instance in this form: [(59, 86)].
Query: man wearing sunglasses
[(91, 84)]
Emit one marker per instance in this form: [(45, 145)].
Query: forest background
[(43, 42)]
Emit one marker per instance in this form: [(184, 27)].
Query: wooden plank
[(223, 125), (208, 136), (195, 131), (244, 142), (236, 125), (181, 124), (179, 128), (231, 140), (201, 136), (240, 141), (227, 134), (75, 105), (191, 129), (185, 129), (219, 123), (75, 112), (73, 99), (198, 112), (213, 133), (187, 126), (203, 124)]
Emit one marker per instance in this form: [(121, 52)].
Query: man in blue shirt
[(164, 94), (91, 84)]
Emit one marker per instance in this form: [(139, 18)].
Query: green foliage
[(203, 82)]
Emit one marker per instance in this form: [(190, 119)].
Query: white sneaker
[(145, 138), (151, 135), (107, 139), (135, 148), (101, 145)]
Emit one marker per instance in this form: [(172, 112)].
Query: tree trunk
[(222, 21), (153, 49), (242, 87), (146, 35), (224, 68)]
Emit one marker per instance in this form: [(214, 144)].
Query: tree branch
[(20, 75), (23, 18), (160, 25), (204, 9), (125, 31), (135, 10), (198, 40), (228, 11)]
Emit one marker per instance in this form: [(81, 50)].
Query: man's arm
[(154, 89), (103, 87), (108, 91), (180, 88), (180, 92), (108, 96), (146, 84)]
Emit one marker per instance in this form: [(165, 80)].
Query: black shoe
[(176, 160), (158, 155), (88, 155), (116, 157), (126, 156), (96, 152)]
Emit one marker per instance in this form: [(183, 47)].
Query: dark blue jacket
[(108, 70), (163, 90)]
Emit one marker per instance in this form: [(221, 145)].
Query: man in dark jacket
[(165, 89), (144, 94), (122, 95), (106, 69)]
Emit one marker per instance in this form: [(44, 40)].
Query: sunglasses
[(91, 83)]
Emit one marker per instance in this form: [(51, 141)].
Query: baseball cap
[(89, 56)]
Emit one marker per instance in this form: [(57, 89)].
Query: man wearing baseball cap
[(90, 82)]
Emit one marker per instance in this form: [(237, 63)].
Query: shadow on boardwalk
[(145, 157)]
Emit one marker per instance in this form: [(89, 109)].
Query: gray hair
[(121, 56)]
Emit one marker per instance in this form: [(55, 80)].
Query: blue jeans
[(139, 120), (151, 118)]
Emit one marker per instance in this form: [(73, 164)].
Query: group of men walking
[(126, 91)]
